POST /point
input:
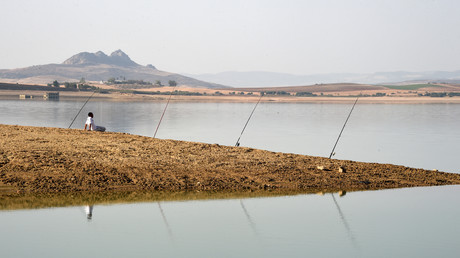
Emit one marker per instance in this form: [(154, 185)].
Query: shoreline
[(55, 160), (130, 97)]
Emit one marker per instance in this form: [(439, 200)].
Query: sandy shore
[(38, 95), (45, 160)]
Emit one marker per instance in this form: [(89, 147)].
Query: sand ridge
[(39, 159)]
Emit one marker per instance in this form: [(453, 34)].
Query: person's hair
[(90, 114)]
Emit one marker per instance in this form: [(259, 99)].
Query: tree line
[(123, 80), (82, 86)]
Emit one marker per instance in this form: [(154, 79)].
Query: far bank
[(132, 97)]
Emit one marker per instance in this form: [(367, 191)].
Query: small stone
[(435, 170), (320, 167), (342, 170)]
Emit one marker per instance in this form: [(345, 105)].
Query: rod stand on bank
[(164, 111), (341, 131), (81, 109), (238, 141)]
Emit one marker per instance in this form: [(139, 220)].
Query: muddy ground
[(45, 160)]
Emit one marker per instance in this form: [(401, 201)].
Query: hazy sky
[(206, 36)]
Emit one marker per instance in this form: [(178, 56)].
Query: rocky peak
[(101, 54), (118, 58), (119, 53)]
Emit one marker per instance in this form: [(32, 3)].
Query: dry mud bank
[(45, 160)]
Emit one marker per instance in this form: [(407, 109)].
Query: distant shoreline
[(116, 96)]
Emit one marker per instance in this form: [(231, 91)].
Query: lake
[(418, 222)]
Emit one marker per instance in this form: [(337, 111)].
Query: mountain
[(98, 67), (118, 58), (270, 79)]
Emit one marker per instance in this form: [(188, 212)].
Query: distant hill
[(331, 87), (271, 79), (353, 89), (117, 58), (98, 67)]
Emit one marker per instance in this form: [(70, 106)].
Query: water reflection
[(15, 201), (344, 221), (415, 222), (89, 212), (251, 222), (165, 220)]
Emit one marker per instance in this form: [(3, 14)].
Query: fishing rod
[(341, 131), (164, 111), (238, 141), (81, 109)]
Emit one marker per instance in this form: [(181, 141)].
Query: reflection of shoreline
[(35, 201)]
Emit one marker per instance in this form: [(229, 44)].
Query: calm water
[(420, 222)]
